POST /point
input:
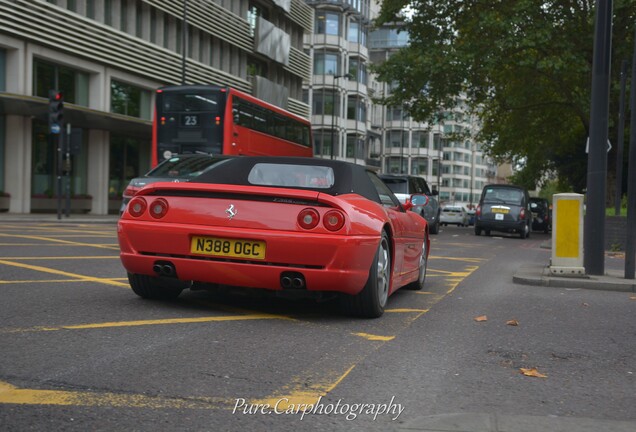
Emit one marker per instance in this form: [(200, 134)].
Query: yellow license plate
[(223, 247), (500, 210)]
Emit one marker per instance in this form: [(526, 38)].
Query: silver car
[(404, 185)]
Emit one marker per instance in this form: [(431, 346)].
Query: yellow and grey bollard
[(567, 235)]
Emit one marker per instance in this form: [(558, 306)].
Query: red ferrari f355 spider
[(277, 223)]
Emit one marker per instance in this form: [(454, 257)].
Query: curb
[(541, 276)]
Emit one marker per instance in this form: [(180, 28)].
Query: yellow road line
[(300, 392), (65, 242), (406, 310), (47, 281), (464, 259), (10, 394), (63, 273), (372, 337), (164, 321), (52, 258)]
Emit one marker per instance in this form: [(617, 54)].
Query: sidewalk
[(612, 280)]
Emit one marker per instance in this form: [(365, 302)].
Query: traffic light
[(56, 111)]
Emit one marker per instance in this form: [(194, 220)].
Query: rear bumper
[(503, 226), (327, 262)]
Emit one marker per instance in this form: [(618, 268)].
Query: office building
[(108, 57)]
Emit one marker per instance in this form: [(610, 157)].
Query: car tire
[(421, 278), (435, 227), (154, 288), (370, 302), (477, 231)]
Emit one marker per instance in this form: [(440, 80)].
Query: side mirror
[(435, 192), (416, 200)]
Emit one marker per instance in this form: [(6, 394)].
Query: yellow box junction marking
[(84, 278), (64, 242)]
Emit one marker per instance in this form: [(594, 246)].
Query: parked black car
[(504, 208), (404, 185), (541, 217), (179, 168)]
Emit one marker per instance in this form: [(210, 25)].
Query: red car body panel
[(330, 261)]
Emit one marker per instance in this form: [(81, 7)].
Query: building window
[(166, 31), (322, 142), (126, 156), (108, 12), (327, 23), (256, 67), (50, 76), (325, 103), (353, 35), (123, 17), (3, 70), (396, 165), (419, 166), (45, 169), (358, 70), (326, 63), (139, 20), (420, 139), (255, 10), (129, 100), (397, 138), (356, 109), (3, 134), (395, 114)]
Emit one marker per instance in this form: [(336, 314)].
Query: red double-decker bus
[(223, 120)]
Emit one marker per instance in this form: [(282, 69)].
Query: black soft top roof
[(348, 177)]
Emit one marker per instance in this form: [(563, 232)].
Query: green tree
[(524, 65)]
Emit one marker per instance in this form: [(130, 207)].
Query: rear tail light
[(130, 191), (478, 211), (522, 214), (308, 218), (333, 220), (159, 208), (137, 206)]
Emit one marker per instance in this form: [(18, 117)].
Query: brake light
[(130, 191), (163, 121), (333, 220), (308, 218), (137, 206), (217, 120), (522, 214), (478, 211), (158, 208)]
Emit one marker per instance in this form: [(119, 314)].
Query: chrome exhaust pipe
[(157, 268), (298, 283)]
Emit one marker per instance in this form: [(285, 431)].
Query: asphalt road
[(79, 351)]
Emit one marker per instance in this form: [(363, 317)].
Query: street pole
[(594, 232), (184, 41), (630, 241), (619, 142)]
